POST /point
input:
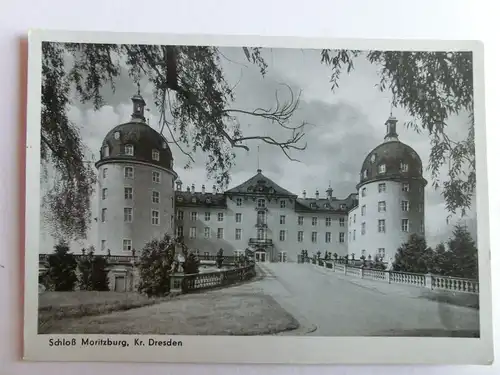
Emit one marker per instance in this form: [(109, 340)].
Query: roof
[(327, 205), (260, 185), (199, 199)]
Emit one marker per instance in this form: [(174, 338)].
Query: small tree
[(441, 261), (463, 254), (219, 258), (85, 270), (100, 278), (156, 264), (61, 275), (335, 256), (413, 256)]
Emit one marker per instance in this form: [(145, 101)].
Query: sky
[(346, 124)]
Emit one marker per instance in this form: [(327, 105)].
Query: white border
[(267, 349)]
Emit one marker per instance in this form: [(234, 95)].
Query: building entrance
[(260, 256)]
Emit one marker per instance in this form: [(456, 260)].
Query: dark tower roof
[(394, 155), (138, 134)]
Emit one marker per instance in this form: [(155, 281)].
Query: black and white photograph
[(245, 190)]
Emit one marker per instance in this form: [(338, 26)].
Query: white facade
[(136, 204)]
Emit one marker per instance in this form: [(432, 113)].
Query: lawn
[(54, 306)]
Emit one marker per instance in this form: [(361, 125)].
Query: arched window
[(381, 168), (105, 151), (156, 155), (129, 150)]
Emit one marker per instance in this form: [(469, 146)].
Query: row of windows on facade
[(128, 193), (128, 216), (129, 150), (128, 172), (261, 234), (403, 167), (261, 218), (405, 227), (382, 207), (382, 188)]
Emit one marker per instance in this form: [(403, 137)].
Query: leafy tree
[(219, 258), (85, 270), (463, 254), (93, 272), (61, 275), (195, 103), (191, 263), (441, 261), (413, 256), (156, 263), (100, 278)]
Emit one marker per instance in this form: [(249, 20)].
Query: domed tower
[(391, 198), (136, 185)]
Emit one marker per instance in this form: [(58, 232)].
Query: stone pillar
[(428, 280), (388, 276), (176, 282), (361, 272), (345, 269)]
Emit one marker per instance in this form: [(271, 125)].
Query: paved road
[(329, 304)]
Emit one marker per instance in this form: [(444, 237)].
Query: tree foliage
[(93, 271), (413, 256), (196, 107), (462, 260), (61, 272)]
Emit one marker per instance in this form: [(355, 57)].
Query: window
[(180, 231), (342, 237), (404, 225), (156, 177), (354, 218), (381, 187), (220, 216), (239, 201), (342, 206), (404, 167), (128, 193), (104, 214), (314, 221), (127, 245), (363, 210), (381, 226), (103, 245), (365, 173), (192, 232), (349, 236), (420, 189), (127, 214), (155, 217), (105, 151), (260, 234), (104, 193), (314, 237), (404, 206), (261, 203), (328, 222), (238, 218), (282, 235), (381, 252), (194, 216), (354, 235), (180, 215), (328, 237), (129, 172), (422, 227), (300, 236), (156, 155), (171, 201), (237, 234), (363, 228), (300, 220), (220, 233), (206, 232), (341, 221), (155, 197), (129, 150), (261, 218), (363, 192), (406, 187), (171, 221), (381, 168), (420, 207), (282, 204), (207, 216), (381, 206), (104, 172), (282, 219)]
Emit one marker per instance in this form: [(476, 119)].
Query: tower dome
[(391, 160), (136, 141)]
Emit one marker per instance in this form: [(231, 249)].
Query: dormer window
[(365, 173), (381, 168), (156, 155), (363, 192), (105, 151), (117, 135), (164, 145), (129, 150), (404, 167)]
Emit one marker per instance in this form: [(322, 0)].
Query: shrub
[(61, 273)]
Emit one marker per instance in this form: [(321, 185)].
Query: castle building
[(141, 198)]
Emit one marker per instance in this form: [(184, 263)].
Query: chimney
[(188, 190), (203, 189), (304, 194), (214, 188), (192, 188), (179, 185), (317, 194)]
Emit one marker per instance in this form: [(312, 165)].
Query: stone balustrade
[(429, 281)]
